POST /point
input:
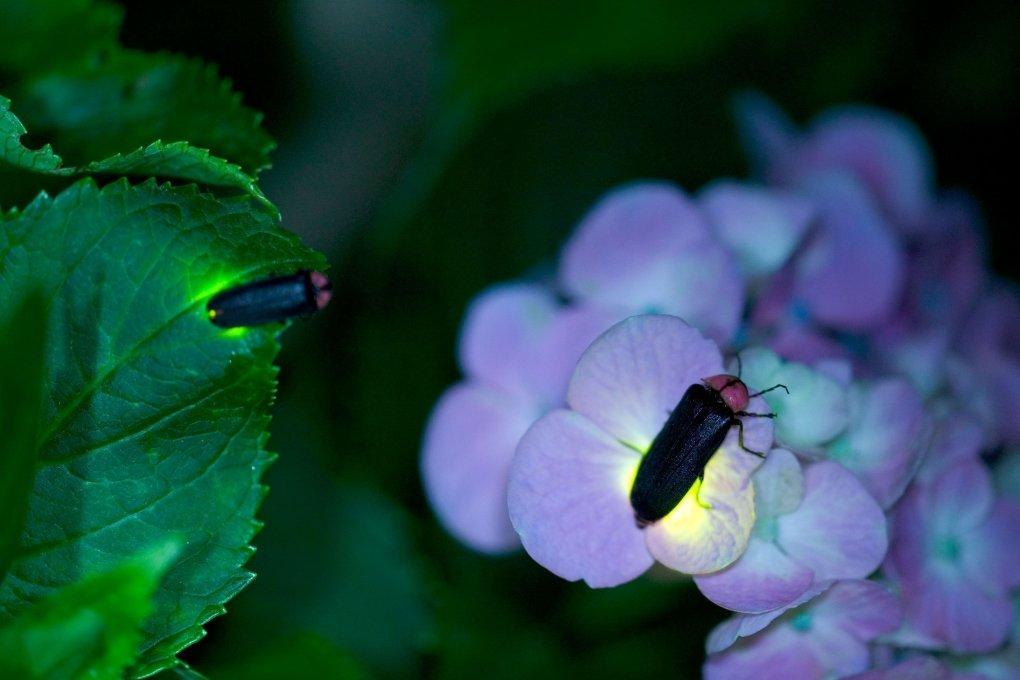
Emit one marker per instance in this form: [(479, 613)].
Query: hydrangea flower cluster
[(878, 536)]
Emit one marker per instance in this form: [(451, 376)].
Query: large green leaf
[(88, 629), (154, 420), (124, 100), (36, 35), (21, 375)]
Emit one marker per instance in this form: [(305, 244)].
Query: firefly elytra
[(271, 300), (692, 434)]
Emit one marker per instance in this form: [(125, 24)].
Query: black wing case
[(265, 301), (694, 431)]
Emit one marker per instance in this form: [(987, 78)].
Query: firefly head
[(322, 287), (730, 389)]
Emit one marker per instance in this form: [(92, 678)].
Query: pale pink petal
[(501, 334), (763, 579), (629, 380), (622, 251), (707, 291), (646, 248), (778, 655), (569, 500), (991, 551), (959, 499), (851, 274), (957, 439), (778, 485), (815, 410), (862, 608), (837, 649), (710, 527), (729, 631), (838, 531), (566, 338), (949, 607), (762, 226), (886, 438), (469, 443), (884, 151), (917, 668)]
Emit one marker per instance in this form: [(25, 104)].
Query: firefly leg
[(740, 438), (774, 387), (756, 415)]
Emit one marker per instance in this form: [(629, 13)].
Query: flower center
[(801, 622), (947, 548), (799, 311)]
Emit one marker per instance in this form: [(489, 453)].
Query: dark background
[(431, 149)]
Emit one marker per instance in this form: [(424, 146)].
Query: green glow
[(238, 332), (220, 283)]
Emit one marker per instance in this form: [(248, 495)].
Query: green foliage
[(97, 108), (280, 658), (22, 337), (154, 420), (90, 628), (500, 53), (178, 160), (14, 152), (36, 35)]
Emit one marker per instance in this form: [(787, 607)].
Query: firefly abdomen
[(270, 300)]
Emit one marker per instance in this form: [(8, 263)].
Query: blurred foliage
[(89, 628), (22, 339)]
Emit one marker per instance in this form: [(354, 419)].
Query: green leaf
[(88, 629), (14, 152), (36, 35), (21, 375), (177, 160), (154, 420), (124, 100)]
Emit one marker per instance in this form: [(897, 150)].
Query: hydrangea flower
[(763, 227), (517, 348), (569, 490), (647, 248), (816, 410), (953, 556), (881, 151), (945, 274), (921, 667), (989, 374), (823, 634), (886, 437), (812, 526), (870, 287)]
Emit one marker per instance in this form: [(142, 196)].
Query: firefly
[(271, 300), (693, 432)]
